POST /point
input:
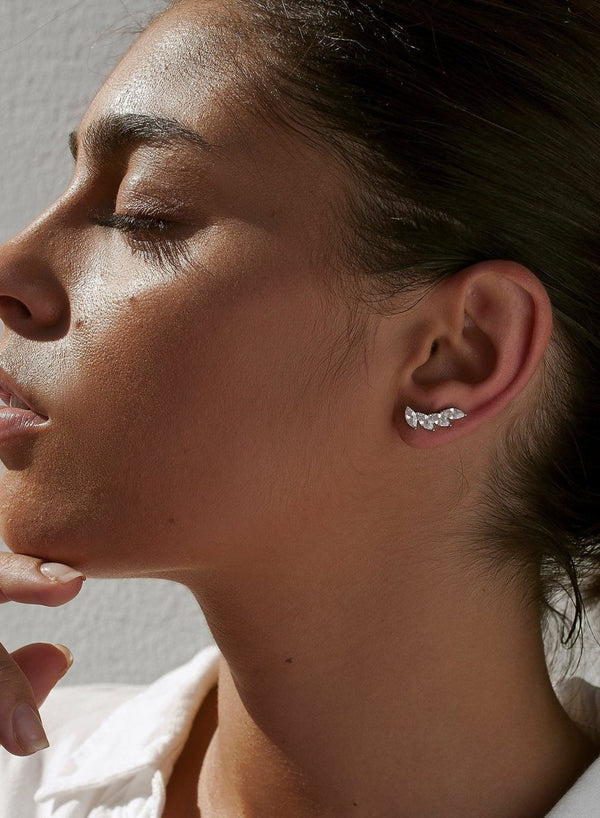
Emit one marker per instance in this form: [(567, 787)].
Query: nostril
[(13, 308), (45, 319)]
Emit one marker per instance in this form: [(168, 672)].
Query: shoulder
[(581, 700)]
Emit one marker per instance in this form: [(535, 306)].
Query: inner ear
[(471, 361), (479, 338)]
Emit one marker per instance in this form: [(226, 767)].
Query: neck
[(338, 702)]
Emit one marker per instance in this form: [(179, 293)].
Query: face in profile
[(173, 316)]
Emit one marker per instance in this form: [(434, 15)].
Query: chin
[(37, 526), (23, 536)]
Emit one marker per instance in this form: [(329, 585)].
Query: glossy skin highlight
[(199, 348)]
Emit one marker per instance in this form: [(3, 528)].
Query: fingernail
[(56, 572), (28, 729), (68, 657)]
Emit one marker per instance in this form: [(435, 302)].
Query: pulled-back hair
[(472, 132)]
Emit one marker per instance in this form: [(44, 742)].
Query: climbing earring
[(431, 422)]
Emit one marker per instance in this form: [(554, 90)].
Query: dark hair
[(472, 130)]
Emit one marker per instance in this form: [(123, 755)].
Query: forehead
[(182, 67), (185, 68)]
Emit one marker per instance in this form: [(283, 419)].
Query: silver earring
[(431, 422)]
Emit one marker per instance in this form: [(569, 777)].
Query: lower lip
[(17, 423)]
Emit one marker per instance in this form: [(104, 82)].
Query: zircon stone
[(454, 414), (441, 419), (426, 421), (411, 417)]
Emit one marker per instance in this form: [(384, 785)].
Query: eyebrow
[(114, 132)]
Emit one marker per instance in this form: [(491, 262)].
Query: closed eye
[(131, 224), (158, 240)]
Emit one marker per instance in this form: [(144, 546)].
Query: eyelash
[(147, 235), (131, 224)]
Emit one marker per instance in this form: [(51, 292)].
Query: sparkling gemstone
[(441, 419), (454, 414), (426, 421), (411, 417)]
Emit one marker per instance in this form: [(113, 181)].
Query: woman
[(313, 331)]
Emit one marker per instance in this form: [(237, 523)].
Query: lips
[(20, 417), (14, 402), (14, 396)]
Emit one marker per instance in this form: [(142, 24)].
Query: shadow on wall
[(129, 631)]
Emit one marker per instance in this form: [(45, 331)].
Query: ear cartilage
[(431, 422)]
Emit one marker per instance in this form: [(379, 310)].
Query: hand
[(28, 674)]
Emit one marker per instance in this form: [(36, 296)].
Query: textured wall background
[(53, 57)]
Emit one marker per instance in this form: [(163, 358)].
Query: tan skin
[(182, 789), (373, 664)]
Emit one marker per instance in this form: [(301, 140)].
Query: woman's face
[(189, 351)]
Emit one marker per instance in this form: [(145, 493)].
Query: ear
[(476, 340)]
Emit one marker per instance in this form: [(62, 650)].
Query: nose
[(33, 299)]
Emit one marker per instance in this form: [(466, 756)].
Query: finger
[(29, 580), (43, 665), (21, 731)]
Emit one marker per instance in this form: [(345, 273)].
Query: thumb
[(43, 665)]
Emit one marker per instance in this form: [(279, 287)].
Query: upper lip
[(9, 387)]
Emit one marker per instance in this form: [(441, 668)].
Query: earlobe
[(493, 322)]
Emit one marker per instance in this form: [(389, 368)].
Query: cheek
[(195, 429)]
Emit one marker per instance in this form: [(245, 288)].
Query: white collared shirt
[(113, 747)]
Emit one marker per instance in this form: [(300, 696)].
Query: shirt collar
[(147, 731)]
